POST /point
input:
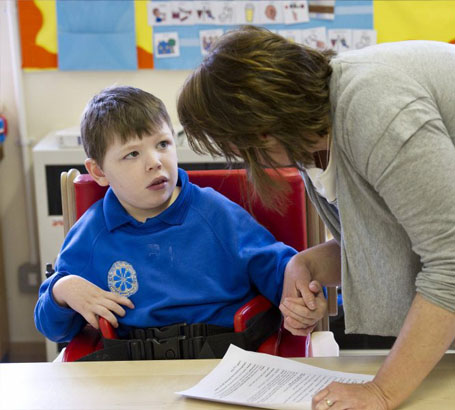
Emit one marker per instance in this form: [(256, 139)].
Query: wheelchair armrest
[(249, 310), (282, 343), (106, 329), (89, 340)]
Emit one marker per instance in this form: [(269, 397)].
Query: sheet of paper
[(261, 380)]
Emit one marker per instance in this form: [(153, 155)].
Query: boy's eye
[(163, 144), (132, 154)]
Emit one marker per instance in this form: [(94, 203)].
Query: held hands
[(89, 300), (301, 314), (303, 303), (339, 396)]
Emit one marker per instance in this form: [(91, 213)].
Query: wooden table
[(151, 384)]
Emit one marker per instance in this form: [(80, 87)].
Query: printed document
[(262, 380)]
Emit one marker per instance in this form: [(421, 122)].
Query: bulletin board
[(174, 35)]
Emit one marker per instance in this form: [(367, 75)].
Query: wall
[(53, 100)]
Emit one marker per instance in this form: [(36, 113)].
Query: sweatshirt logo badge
[(122, 279)]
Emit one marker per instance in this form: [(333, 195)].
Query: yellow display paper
[(397, 20)]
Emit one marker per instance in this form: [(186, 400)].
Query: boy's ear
[(96, 172)]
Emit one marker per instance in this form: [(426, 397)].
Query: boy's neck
[(151, 213)]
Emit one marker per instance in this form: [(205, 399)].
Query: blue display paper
[(355, 14), (96, 35)]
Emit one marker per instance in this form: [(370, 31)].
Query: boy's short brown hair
[(120, 112)]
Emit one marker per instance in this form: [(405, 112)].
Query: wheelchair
[(80, 191)]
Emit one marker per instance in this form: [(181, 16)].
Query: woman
[(387, 195)]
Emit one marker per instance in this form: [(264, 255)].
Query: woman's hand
[(89, 300), (299, 318), (297, 277), (303, 303), (340, 396)]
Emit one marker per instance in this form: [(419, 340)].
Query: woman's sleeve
[(417, 183), (392, 133)]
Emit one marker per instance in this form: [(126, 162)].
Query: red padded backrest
[(86, 192)]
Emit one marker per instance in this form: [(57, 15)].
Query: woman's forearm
[(426, 334), (324, 263), (320, 263)]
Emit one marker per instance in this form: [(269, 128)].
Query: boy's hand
[(299, 319), (302, 303), (89, 300)]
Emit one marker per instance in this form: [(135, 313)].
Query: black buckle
[(162, 333), (179, 347), (168, 349), (179, 341), (167, 332)]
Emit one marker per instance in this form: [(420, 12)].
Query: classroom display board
[(131, 35)]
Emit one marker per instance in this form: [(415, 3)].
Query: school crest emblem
[(122, 279)]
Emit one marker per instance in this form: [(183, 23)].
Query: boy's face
[(142, 173)]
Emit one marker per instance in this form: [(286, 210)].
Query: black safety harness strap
[(182, 341)]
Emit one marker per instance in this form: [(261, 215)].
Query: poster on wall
[(167, 45)]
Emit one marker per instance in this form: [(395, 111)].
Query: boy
[(156, 250)]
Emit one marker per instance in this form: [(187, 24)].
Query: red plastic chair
[(80, 191)]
